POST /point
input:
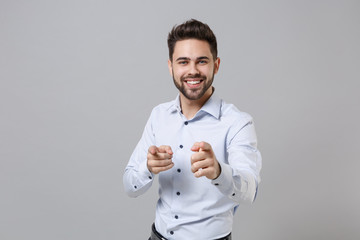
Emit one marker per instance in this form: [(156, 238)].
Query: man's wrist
[(218, 172)]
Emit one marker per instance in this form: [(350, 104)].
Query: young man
[(203, 149)]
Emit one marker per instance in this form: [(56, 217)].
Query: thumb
[(196, 147), (165, 149), (201, 146), (153, 150)]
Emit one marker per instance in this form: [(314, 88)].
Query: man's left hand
[(203, 161)]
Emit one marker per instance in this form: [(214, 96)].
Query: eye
[(182, 62), (202, 62)]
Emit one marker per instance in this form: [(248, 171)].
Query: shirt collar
[(212, 106)]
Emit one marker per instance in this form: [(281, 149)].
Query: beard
[(194, 94)]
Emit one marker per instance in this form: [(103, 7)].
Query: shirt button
[(179, 170), (176, 217), (233, 194), (172, 232), (150, 177), (135, 187), (181, 146), (186, 123), (178, 193), (216, 184)]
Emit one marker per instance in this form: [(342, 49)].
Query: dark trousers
[(155, 235)]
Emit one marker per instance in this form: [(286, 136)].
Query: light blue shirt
[(190, 207)]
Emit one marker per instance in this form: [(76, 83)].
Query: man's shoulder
[(231, 112), (164, 107)]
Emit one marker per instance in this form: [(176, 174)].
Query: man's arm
[(239, 179), (137, 178), (145, 161)]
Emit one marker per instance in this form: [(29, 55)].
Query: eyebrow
[(187, 58)]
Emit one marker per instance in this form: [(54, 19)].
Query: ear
[(170, 67), (216, 65)]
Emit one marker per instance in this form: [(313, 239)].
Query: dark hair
[(192, 29)]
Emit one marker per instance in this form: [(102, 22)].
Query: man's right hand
[(159, 159)]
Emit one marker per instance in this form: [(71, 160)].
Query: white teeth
[(193, 82)]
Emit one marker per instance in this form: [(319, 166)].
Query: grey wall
[(79, 79)]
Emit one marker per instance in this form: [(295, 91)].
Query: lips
[(193, 83)]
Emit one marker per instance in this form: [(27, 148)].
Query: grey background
[(79, 79)]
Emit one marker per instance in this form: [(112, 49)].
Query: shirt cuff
[(146, 175), (224, 181)]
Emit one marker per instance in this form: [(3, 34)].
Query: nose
[(193, 69)]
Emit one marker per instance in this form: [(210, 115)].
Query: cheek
[(207, 71), (178, 73)]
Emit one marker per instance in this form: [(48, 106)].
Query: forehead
[(191, 48)]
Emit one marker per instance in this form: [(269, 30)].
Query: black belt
[(155, 235)]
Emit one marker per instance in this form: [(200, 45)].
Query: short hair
[(192, 29)]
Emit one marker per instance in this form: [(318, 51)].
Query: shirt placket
[(177, 191)]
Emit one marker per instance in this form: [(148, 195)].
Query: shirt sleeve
[(137, 178), (239, 178)]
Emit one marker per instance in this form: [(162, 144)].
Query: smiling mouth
[(193, 82)]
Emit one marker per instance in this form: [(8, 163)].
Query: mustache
[(202, 77)]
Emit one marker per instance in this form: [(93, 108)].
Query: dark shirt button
[(181, 146), (150, 177), (233, 194), (216, 184), (135, 187), (176, 216), (186, 123), (178, 193), (179, 170), (172, 232)]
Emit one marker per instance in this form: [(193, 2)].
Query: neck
[(190, 107)]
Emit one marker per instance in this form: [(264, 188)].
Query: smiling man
[(203, 149)]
